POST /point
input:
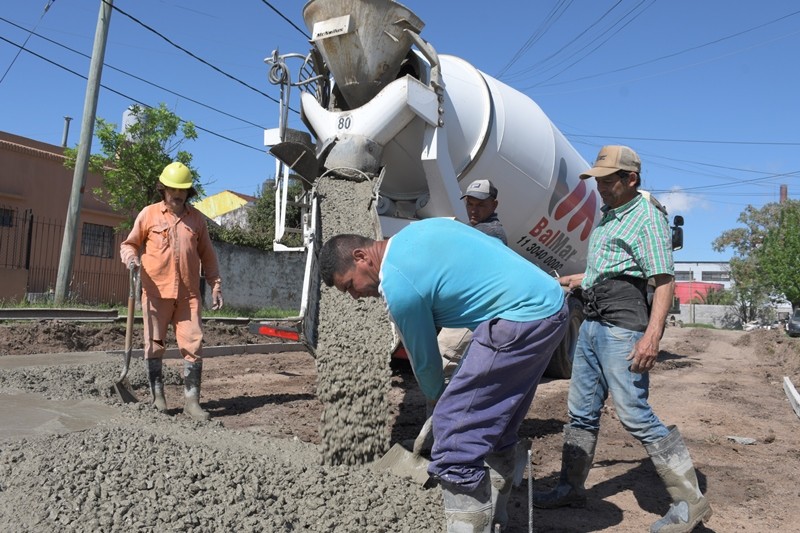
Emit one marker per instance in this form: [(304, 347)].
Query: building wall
[(705, 271), (35, 190), (255, 279)]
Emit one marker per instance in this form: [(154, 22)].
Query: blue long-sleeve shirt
[(440, 272)]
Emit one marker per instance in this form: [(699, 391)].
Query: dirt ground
[(716, 386)]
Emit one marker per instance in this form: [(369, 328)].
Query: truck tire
[(560, 366)]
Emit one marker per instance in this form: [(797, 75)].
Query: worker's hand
[(216, 298), (643, 356), (571, 281), (134, 263)]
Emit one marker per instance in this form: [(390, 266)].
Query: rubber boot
[(192, 373), (155, 378), (674, 466), (468, 512), (576, 461), (506, 469)]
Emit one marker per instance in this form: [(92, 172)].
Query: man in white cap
[(618, 343), (480, 199), (481, 202)]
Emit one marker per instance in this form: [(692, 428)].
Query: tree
[(132, 160), (260, 230), (718, 297), (779, 255), (767, 251), (751, 293)]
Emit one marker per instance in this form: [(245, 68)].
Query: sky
[(704, 90)]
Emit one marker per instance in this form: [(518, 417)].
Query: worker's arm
[(645, 351), (129, 249), (414, 320)]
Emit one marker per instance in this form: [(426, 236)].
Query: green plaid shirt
[(633, 239)]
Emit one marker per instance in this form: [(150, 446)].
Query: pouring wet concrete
[(133, 469)]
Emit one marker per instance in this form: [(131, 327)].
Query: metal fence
[(34, 243)]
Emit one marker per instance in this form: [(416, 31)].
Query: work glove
[(216, 298)]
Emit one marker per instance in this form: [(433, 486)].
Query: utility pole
[(84, 149)]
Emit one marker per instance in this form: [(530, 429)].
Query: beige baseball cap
[(611, 159)]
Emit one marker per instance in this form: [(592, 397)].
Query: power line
[(667, 56), (19, 51), (302, 32), (131, 98), (184, 50), (131, 75), (698, 141)]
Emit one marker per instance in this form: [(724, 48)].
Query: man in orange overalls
[(173, 240)]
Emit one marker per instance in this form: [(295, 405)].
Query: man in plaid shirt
[(618, 343)]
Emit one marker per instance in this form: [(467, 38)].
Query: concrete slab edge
[(234, 349), (791, 393)]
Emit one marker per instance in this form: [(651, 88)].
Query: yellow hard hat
[(176, 175)]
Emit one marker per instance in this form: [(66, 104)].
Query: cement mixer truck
[(379, 103)]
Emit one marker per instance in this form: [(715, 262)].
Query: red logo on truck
[(581, 207)]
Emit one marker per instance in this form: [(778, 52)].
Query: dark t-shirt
[(492, 227)]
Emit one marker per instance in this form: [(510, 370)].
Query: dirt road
[(255, 466)]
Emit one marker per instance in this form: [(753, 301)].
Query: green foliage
[(719, 297), (752, 288), (131, 162), (260, 230), (779, 255)]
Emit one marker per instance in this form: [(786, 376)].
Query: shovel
[(407, 464), (120, 388)]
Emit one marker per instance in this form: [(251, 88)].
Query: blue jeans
[(600, 367)]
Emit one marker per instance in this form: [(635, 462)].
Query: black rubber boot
[(156, 381), (674, 466), (576, 461), (192, 373)]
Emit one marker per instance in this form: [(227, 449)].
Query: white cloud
[(676, 201)]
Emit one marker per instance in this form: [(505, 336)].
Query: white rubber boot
[(674, 466), (468, 512)]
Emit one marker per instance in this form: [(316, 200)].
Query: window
[(6, 218), (716, 275), (683, 275), (97, 240)]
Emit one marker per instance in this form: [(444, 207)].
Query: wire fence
[(33, 243)]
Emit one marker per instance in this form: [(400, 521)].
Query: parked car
[(793, 326)]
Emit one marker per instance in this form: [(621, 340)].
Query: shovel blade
[(403, 463), (120, 388)]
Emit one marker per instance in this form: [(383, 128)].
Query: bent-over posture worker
[(618, 343), (173, 240), (428, 276)]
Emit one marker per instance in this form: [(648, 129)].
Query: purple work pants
[(489, 395)]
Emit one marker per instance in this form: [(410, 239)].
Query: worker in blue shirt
[(429, 276)]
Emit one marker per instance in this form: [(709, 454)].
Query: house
[(227, 208), (704, 271), (35, 190)]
